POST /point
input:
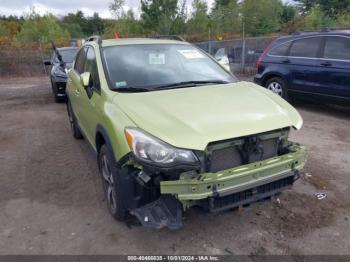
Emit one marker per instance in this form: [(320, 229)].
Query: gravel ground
[(51, 198)]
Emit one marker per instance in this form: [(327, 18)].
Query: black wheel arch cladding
[(102, 138)]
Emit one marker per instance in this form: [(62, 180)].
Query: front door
[(75, 84), (90, 97)]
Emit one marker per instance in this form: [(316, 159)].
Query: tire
[(73, 122), (112, 186), (278, 86)]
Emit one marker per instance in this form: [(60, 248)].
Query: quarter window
[(307, 47), (280, 50), (337, 48)]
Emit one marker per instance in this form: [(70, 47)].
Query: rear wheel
[(112, 184), (277, 86), (73, 123)]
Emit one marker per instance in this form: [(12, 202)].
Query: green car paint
[(98, 110), (193, 117), (187, 118), (235, 179)]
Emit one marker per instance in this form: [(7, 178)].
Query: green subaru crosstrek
[(172, 129)]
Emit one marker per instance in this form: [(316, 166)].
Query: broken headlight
[(150, 149)]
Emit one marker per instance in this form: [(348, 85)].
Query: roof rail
[(170, 37), (327, 29), (95, 38), (323, 30)]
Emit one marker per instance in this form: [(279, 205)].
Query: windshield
[(67, 55), (148, 67)]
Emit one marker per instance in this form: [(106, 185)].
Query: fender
[(273, 74), (100, 129), (274, 69)]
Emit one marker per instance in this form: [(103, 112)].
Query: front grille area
[(250, 195), (265, 149), (61, 87), (225, 158), (250, 150)]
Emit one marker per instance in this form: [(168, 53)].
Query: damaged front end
[(229, 173)]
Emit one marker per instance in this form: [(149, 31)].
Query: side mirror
[(225, 62), (227, 67), (47, 62), (85, 79), (220, 53)]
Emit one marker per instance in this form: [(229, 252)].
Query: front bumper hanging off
[(236, 179), (225, 189)]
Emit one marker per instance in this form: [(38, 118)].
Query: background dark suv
[(309, 64), (61, 60)]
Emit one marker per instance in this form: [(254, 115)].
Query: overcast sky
[(62, 7)]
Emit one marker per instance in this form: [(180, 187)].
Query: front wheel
[(277, 86), (112, 184)]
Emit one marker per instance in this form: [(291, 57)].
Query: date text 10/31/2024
[(173, 258)]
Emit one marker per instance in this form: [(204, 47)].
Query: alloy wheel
[(276, 88), (108, 183)]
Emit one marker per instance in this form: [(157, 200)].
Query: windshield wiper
[(189, 84), (184, 84), (131, 89)]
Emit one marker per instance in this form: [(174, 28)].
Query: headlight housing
[(150, 149), (60, 72)]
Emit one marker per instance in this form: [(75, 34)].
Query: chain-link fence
[(22, 62), (242, 54)]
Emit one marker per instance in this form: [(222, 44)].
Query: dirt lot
[(51, 198)]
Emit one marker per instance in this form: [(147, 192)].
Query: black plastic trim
[(103, 131)]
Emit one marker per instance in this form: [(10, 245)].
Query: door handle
[(327, 63), (285, 61)]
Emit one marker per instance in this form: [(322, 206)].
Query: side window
[(337, 48), (80, 60), (91, 67), (307, 47), (280, 50)]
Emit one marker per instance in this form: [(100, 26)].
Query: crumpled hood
[(193, 117)]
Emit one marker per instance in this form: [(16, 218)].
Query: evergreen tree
[(159, 15)]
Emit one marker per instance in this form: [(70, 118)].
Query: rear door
[(74, 83), (90, 97), (303, 61), (335, 66)]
